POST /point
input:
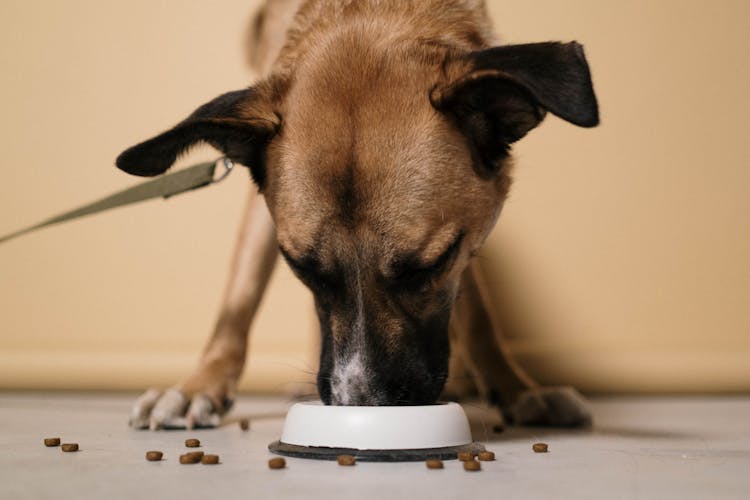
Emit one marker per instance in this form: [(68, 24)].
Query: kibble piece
[(472, 465), (189, 458), (486, 456), (539, 447), (465, 456), (244, 424), (196, 454), (51, 441), (276, 463), (210, 459), (70, 447), (154, 456), (434, 464), (192, 443), (346, 460)]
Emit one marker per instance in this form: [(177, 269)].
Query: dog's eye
[(414, 279), (413, 276), (308, 270), (303, 266)]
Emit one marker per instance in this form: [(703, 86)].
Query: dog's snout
[(351, 383), (377, 349)]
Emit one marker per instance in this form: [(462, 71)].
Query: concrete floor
[(656, 448)]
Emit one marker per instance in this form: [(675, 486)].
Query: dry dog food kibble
[(472, 465), (154, 456), (189, 458), (51, 441), (539, 447), (486, 456), (244, 424), (434, 464), (465, 456), (192, 443), (70, 447), (210, 459), (276, 463), (346, 460), (196, 454)]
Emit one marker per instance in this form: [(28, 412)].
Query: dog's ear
[(496, 96), (238, 123)]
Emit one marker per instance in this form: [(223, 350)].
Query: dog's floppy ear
[(495, 96), (238, 123)]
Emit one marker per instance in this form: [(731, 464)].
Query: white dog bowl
[(392, 433)]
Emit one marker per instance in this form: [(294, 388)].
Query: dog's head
[(384, 173)]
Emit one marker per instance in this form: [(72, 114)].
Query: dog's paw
[(173, 409), (550, 406)]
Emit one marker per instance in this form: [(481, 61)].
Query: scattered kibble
[(276, 463), (70, 447), (210, 459), (434, 464), (486, 456), (192, 443), (154, 456), (51, 441), (346, 460), (196, 454), (465, 456), (472, 465), (244, 424), (189, 458), (539, 447)]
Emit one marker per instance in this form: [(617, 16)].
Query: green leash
[(187, 179)]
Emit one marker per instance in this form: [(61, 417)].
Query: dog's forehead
[(393, 182)]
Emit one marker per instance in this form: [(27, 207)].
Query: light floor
[(656, 448)]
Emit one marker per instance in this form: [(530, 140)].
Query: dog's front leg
[(207, 392), (497, 375)]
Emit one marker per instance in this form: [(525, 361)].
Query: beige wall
[(620, 263)]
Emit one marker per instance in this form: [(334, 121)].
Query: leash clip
[(228, 165)]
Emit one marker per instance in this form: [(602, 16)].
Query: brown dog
[(380, 142)]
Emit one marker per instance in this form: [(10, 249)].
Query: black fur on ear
[(235, 123), (501, 93)]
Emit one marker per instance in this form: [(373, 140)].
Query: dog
[(380, 143)]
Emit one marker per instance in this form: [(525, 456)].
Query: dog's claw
[(201, 413), (550, 406)]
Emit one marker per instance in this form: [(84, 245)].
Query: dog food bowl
[(375, 433)]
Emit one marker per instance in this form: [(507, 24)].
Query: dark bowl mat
[(411, 455)]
